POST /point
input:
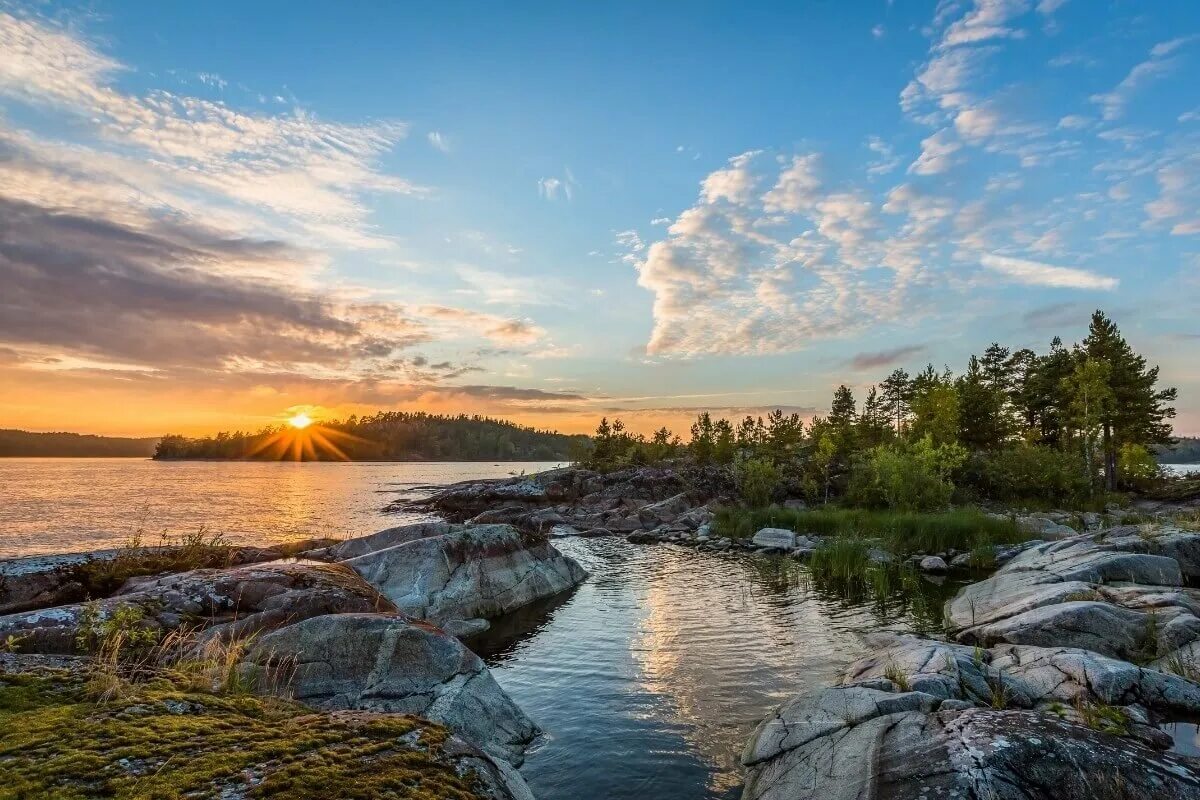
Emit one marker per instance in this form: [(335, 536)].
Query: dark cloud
[(885, 358), (169, 295)]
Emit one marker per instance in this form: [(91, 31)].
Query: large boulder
[(230, 603), (774, 538), (853, 743), (443, 572), (388, 663), (1120, 593)]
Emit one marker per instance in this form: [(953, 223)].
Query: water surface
[(57, 505), (650, 677)]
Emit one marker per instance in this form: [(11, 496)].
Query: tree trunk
[(1110, 459)]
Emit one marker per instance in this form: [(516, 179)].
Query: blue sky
[(552, 211)]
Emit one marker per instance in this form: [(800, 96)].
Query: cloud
[(884, 358), (878, 31), (734, 184), (1112, 103), (1035, 273), (293, 170), (887, 161), (438, 141), (937, 154), (552, 188)]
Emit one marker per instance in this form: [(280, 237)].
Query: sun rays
[(302, 439)]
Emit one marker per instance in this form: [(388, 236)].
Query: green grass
[(899, 531)]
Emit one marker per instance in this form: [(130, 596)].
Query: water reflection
[(651, 676)]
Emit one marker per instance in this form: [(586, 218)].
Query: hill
[(385, 436), (16, 443), (1185, 451)]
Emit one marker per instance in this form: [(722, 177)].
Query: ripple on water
[(650, 677)]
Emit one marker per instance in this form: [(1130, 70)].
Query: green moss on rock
[(163, 741)]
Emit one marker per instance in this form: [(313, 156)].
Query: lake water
[(1182, 469), (57, 505)]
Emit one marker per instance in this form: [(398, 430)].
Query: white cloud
[(552, 188), (438, 141), (1035, 273), (1112, 103), (1050, 6), (797, 186), (937, 154), (878, 31), (887, 161), (304, 173), (734, 183), (1074, 122)]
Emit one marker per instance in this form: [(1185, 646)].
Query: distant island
[(17, 443), (385, 436), (1186, 450)]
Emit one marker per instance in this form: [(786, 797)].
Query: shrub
[(757, 480), (1027, 473), (905, 477)]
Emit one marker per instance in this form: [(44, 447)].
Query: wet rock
[(442, 572), (230, 603), (775, 538), (387, 663), (934, 565)]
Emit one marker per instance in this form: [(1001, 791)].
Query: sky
[(213, 215)]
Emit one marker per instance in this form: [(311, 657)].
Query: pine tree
[(896, 390), (1139, 409)]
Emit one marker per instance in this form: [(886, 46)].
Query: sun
[(300, 421)]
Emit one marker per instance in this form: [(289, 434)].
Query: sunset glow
[(300, 421)]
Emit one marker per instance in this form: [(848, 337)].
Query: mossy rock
[(163, 740)]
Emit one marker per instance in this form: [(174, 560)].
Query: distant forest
[(385, 436), (14, 443), (1185, 451)]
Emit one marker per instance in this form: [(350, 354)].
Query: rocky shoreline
[(364, 628), (1054, 679)]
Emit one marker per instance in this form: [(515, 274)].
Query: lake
[(647, 679), (57, 505)]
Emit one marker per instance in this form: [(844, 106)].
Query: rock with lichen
[(167, 737)]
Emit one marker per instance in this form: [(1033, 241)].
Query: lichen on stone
[(164, 739)]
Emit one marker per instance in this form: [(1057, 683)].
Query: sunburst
[(304, 439)]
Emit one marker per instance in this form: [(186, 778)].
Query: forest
[(384, 436), (14, 443), (1185, 450), (1067, 426)]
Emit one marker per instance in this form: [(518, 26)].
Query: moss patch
[(163, 741)]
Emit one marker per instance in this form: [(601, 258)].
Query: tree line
[(384, 436), (14, 443), (1062, 426)]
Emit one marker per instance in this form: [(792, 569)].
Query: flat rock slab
[(849, 743), (775, 538), (231, 603)]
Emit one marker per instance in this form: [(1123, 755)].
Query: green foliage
[(1030, 473), (757, 480), (387, 436), (199, 550), (1137, 466), (905, 477)]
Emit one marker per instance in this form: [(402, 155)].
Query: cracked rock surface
[(1121, 593), (232, 603), (444, 572), (389, 663)]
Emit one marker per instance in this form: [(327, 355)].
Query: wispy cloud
[(438, 141), (1035, 273), (884, 358), (553, 188), (1112, 103)]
